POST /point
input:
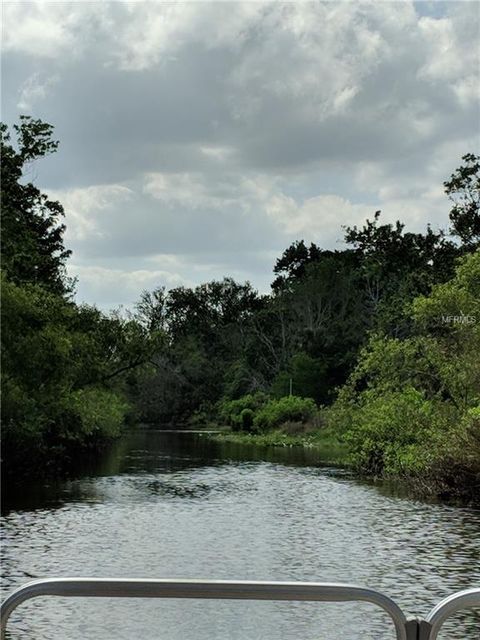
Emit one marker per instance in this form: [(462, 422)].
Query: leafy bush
[(58, 391), (247, 417), (455, 469), (393, 433), (101, 412), (239, 414), (287, 409)]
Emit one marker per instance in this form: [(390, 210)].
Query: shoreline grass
[(324, 442)]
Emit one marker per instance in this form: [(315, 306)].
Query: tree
[(305, 376), (151, 311), (293, 262), (396, 266), (326, 317), (66, 369), (206, 331), (31, 232), (388, 254), (412, 405), (463, 189)]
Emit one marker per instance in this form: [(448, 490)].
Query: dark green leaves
[(463, 189)]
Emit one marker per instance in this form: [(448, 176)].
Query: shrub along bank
[(290, 421)]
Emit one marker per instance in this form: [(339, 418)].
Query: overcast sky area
[(198, 140)]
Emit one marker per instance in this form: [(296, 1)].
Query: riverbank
[(329, 448)]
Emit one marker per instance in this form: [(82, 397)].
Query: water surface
[(163, 505)]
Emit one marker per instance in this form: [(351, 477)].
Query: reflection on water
[(178, 506)]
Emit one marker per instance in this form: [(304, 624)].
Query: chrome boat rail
[(412, 629), (461, 600)]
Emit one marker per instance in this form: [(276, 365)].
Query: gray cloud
[(220, 132)]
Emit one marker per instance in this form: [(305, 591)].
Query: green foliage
[(246, 419), (240, 379), (463, 189), (31, 229), (455, 467), (205, 354), (390, 430), (287, 409), (66, 370), (307, 376), (325, 303), (293, 263), (257, 412), (396, 266), (448, 302), (239, 414), (451, 316), (224, 340), (410, 407), (467, 442), (54, 374), (100, 411), (325, 444)]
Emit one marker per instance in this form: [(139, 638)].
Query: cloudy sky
[(200, 139)]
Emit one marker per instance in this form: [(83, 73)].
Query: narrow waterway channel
[(175, 505)]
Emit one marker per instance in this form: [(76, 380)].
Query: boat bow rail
[(406, 629)]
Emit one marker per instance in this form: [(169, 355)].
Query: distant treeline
[(381, 338)]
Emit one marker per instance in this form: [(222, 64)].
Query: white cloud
[(84, 208), (154, 32), (181, 188), (319, 217), (45, 29), (217, 153), (218, 190), (452, 52), (115, 287)]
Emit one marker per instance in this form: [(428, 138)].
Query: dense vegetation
[(65, 368), (375, 345), (411, 407)]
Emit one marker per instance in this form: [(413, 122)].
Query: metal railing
[(457, 602), (413, 629)]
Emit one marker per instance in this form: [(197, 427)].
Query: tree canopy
[(65, 368), (32, 225), (463, 189)]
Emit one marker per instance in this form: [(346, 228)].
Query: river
[(176, 505)]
